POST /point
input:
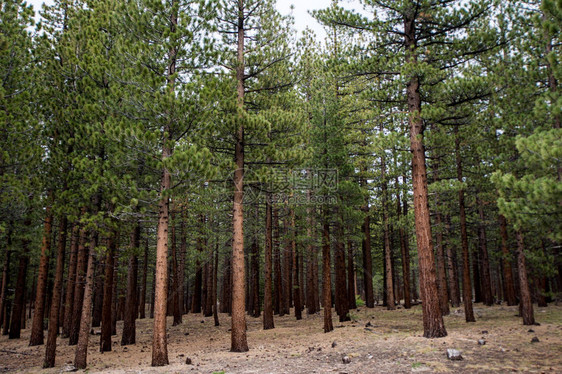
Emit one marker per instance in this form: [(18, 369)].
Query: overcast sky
[(302, 18)]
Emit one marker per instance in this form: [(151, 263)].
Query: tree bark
[(526, 302), (405, 252), (277, 282), (487, 296), (342, 307), (352, 304), (432, 317), (326, 276), (5, 274), (18, 304), (142, 303), (37, 336), (287, 269), (51, 347), (106, 315), (175, 278), (81, 264), (441, 274), (311, 279), (268, 286), (367, 256), (388, 274), (81, 355), (506, 264), (466, 283), (71, 280), (129, 326), (296, 269)]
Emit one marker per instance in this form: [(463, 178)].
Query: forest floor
[(376, 341)]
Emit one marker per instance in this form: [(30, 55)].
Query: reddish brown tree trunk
[(388, 274), (19, 302), (81, 355), (476, 275), (255, 310), (106, 315), (526, 302), (226, 296), (487, 296), (37, 335), (181, 271), (268, 286), (311, 279), (287, 269), (367, 257), (98, 294), (175, 279), (506, 264), (129, 325), (326, 276), (142, 303), (277, 282), (215, 269), (405, 252), (351, 302), (441, 274), (296, 269), (432, 316), (51, 347), (466, 283), (341, 303), (452, 270), (71, 280), (81, 263), (4, 289)]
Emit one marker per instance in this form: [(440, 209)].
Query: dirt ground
[(376, 341)]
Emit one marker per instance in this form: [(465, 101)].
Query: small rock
[(537, 324), (368, 329), (358, 310), (453, 355), (69, 369), (188, 361), (530, 330), (535, 340), (484, 331), (334, 344), (481, 342), (346, 359), (181, 355), (368, 324), (369, 356), (202, 321), (319, 349), (186, 334), (502, 349)]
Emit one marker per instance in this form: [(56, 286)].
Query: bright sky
[(302, 18)]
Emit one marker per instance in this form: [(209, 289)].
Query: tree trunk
[(18, 304), (255, 311), (268, 286), (176, 306), (98, 295), (5, 273), (342, 307), (487, 296), (476, 275), (296, 269), (326, 276), (181, 271), (81, 264), (142, 303), (506, 264), (526, 302), (287, 269), (277, 282), (215, 269), (351, 302), (129, 326), (311, 279), (466, 284), (51, 347), (71, 280), (441, 274), (106, 315), (367, 256), (433, 325), (405, 252), (388, 274), (81, 355), (37, 335), (452, 270)]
